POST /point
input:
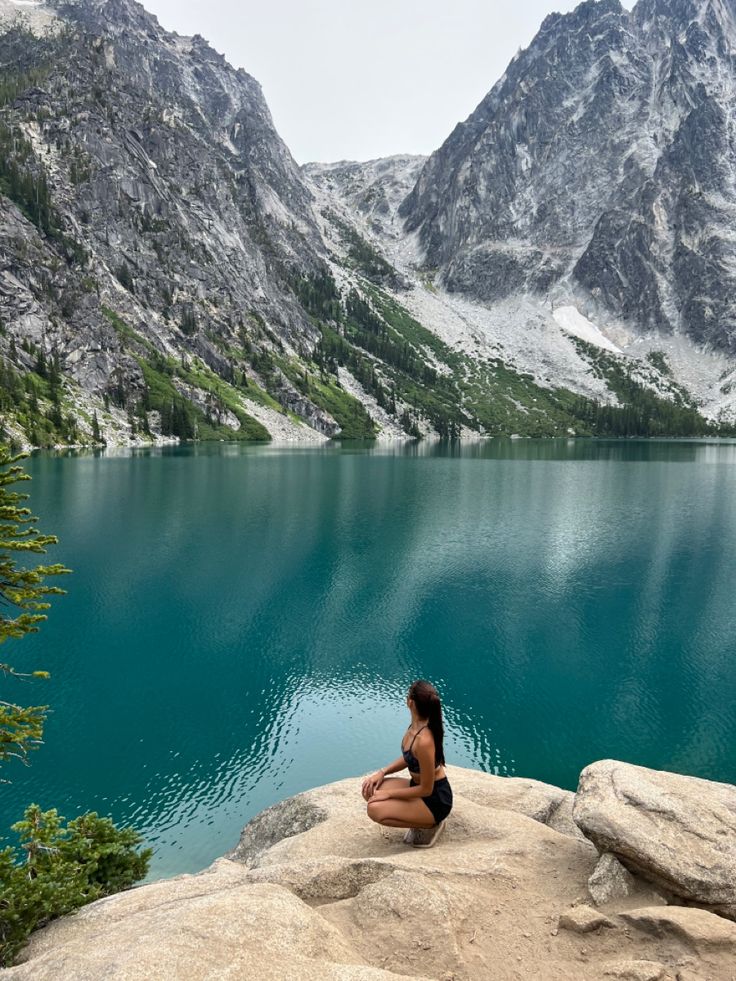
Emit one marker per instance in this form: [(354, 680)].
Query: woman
[(423, 802)]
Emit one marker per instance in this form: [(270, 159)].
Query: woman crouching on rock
[(422, 803)]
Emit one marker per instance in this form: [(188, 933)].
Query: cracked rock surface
[(677, 831), (314, 890)]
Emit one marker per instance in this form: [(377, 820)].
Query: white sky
[(357, 79)]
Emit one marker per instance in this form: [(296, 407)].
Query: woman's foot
[(424, 837)]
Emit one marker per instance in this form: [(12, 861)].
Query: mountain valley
[(557, 268)]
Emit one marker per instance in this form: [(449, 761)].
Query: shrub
[(61, 868)]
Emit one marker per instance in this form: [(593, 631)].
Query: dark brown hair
[(429, 707)]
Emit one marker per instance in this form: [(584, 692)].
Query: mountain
[(168, 272), (160, 217), (600, 167)]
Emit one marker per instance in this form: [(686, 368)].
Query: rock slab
[(315, 891), (678, 832)]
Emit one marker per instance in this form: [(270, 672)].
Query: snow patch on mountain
[(573, 322), (33, 14), (521, 332)]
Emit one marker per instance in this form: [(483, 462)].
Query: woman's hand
[(371, 784), (379, 795)]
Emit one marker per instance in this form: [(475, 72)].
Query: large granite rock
[(313, 890), (677, 831)]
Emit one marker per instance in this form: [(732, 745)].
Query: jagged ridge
[(602, 163), (168, 272)]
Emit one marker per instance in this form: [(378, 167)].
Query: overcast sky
[(358, 79)]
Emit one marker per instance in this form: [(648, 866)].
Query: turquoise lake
[(243, 622)]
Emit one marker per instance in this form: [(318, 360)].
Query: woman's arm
[(395, 767), (374, 781), (424, 753)]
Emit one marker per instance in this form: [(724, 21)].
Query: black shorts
[(440, 800)]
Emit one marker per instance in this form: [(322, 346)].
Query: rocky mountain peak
[(683, 11), (600, 161)]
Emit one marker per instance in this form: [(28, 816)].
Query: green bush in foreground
[(61, 868), (57, 868)]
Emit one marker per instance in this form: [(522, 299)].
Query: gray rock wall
[(603, 156)]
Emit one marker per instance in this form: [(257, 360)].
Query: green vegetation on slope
[(179, 416), (642, 412), (35, 401), (324, 391), (417, 378)]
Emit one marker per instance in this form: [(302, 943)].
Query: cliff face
[(167, 272), (602, 161), (166, 196), (158, 240), (512, 889), (187, 181)]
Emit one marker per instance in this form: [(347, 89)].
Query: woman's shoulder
[(426, 737)]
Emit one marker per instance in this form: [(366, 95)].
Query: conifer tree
[(96, 433), (58, 867), (24, 596)]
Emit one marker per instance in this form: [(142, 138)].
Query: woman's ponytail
[(428, 705)]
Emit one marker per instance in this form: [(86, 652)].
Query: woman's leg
[(387, 781), (390, 782), (395, 813)]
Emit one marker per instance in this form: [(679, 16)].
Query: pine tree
[(58, 868), (23, 591), (96, 434)]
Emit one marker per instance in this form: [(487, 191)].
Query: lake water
[(243, 622)]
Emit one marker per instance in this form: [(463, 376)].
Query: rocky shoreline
[(633, 877)]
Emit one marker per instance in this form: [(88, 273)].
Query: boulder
[(610, 881), (696, 927), (288, 818), (583, 919), (678, 832)]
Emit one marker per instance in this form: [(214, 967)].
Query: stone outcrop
[(610, 881), (583, 919), (313, 890), (600, 159), (679, 832), (694, 927)]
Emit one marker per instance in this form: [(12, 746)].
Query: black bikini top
[(409, 758)]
